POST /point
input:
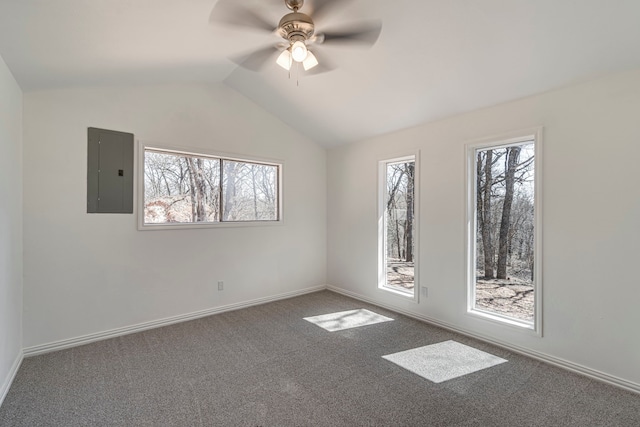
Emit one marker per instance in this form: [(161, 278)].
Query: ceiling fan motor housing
[(296, 26)]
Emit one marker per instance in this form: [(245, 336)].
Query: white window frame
[(502, 141), (382, 248), (200, 152)]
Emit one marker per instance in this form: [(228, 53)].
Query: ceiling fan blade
[(232, 13), (364, 34), (255, 61), (319, 9), (323, 64), (322, 67)]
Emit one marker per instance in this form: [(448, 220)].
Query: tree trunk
[(485, 211), (396, 225), (230, 190), (408, 231), (198, 188), (513, 155), (255, 192), (201, 185), (192, 188)]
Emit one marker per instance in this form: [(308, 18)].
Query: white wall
[(10, 226), (88, 273), (591, 202)]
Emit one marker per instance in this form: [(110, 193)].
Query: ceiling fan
[(298, 31)]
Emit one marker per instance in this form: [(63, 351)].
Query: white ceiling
[(434, 58)]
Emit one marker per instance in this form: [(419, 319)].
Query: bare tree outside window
[(399, 225), (182, 188), (249, 191), (504, 235)]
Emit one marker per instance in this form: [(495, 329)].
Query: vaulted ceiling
[(433, 58)]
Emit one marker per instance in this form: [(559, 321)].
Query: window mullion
[(220, 208)]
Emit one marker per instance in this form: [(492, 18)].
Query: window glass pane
[(184, 188), (399, 226), (180, 188), (504, 234), (249, 191)]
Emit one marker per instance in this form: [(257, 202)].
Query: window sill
[(210, 225), (404, 295), (504, 321)]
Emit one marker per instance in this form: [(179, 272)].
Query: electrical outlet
[(425, 292), (220, 285)]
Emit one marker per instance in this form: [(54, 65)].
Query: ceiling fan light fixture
[(310, 61), (284, 60), (299, 51), (297, 31)]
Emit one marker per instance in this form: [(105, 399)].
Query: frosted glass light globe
[(299, 51)]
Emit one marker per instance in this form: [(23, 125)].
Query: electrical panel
[(109, 171)]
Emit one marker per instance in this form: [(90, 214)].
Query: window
[(503, 237), (398, 224), (185, 189)]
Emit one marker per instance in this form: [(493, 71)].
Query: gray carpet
[(267, 366)]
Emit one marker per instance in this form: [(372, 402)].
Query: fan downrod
[(294, 4)]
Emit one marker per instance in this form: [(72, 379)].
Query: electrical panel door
[(109, 171)]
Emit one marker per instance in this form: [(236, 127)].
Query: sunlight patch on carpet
[(347, 319), (444, 361)]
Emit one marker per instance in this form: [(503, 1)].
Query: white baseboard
[(98, 336), (6, 385), (556, 361)]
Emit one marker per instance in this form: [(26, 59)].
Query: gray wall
[(10, 227)]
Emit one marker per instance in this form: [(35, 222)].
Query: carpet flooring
[(267, 366)]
